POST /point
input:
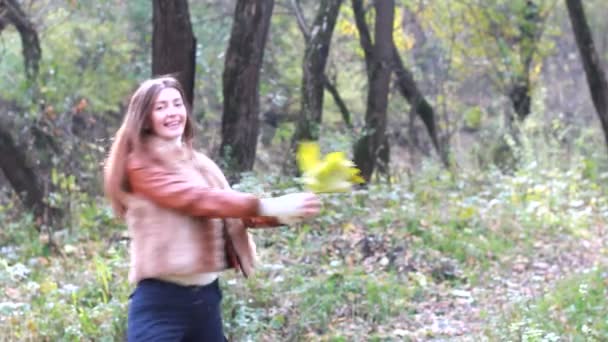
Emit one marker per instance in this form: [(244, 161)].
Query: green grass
[(80, 297), (303, 301), (359, 271), (575, 310)]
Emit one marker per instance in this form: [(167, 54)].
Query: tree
[(405, 82), (22, 175), (314, 80), (409, 90), (11, 13), (510, 35), (596, 78), (241, 84), (372, 145), (530, 30), (173, 43)]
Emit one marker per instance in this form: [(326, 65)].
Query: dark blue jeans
[(163, 311)]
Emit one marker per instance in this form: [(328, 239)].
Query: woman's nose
[(173, 109)]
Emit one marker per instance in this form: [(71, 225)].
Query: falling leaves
[(334, 173)]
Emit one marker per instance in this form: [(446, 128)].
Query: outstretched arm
[(175, 190), (262, 222)]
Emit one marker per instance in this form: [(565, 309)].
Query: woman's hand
[(291, 208)]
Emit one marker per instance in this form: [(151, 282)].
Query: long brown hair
[(129, 137)]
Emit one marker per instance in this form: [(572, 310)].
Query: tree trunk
[(405, 81), (596, 78), (13, 159), (329, 86), (409, 90), (313, 71), (21, 175), (365, 38), (174, 44), (530, 29), (520, 96), (241, 82), (373, 143), (29, 36)]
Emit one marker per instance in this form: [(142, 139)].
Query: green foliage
[(282, 65), (488, 45), (72, 298), (576, 308), (370, 260), (20, 231), (378, 261), (81, 59), (212, 32), (473, 118), (320, 300)]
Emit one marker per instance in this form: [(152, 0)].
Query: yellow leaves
[(308, 156), (467, 213), (403, 40), (334, 173), (31, 325), (347, 28), (48, 286), (346, 23), (535, 72)]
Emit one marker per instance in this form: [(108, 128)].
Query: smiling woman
[(169, 115), (185, 223)]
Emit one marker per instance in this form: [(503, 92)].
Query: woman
[(186, 224)]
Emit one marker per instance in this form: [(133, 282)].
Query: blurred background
[(481, 128)]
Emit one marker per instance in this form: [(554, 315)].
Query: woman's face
[(168, 116)]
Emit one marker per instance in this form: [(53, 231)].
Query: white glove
[(289, 208)]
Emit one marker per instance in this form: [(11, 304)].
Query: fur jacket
[(183, 218)]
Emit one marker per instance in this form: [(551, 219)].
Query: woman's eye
[(158, 108), (178, 104)]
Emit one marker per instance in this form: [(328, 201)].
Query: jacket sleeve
[(174, 190), (262, 222)]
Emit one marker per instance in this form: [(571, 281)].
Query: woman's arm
[(285, 210), (262, 222), (174, 190)]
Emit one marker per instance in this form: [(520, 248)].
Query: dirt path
[(462, 314)]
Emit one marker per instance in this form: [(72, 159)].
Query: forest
[(480, 128)]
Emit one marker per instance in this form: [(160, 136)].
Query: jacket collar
[(167, 150)]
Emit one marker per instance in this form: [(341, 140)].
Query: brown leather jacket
[(182, 216)]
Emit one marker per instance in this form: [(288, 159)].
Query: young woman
[(186, 224)]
